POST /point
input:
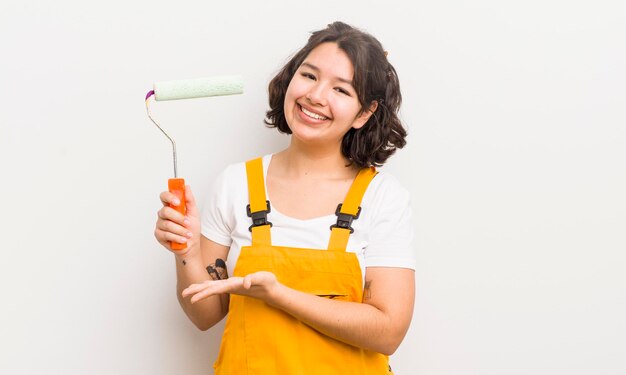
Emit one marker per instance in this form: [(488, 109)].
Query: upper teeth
[(311, 114)]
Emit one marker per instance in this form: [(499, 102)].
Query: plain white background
[(515, 162)]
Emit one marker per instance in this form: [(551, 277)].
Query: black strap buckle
[(259, 218), (344, 221)]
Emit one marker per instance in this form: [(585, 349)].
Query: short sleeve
[(390, 240), (217, 218)]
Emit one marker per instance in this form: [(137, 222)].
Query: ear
[(363, 117)]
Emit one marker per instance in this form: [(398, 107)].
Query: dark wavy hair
[(375, 79)]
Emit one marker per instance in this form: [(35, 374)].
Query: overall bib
[(259, 339)]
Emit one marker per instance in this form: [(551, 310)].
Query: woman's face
[(320, 104)]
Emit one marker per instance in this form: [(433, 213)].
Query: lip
[(310, 119)]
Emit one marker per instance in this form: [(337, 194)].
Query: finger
[(168, 213), (203, 294), (167, 231), (194, 288), (166, 237), (231, 285), (260, 279), (168, 198), (173, 227), (211, 289), (248, 281)]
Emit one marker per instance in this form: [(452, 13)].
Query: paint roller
[(188, 89)]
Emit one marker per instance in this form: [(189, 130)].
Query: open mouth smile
[(312, 115)]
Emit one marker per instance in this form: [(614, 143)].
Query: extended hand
[(261, 285)]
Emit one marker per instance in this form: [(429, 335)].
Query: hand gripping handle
[(177, 187)]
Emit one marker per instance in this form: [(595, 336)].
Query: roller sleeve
[(198, 88)]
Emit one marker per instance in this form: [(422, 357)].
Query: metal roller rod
[(163, 131)]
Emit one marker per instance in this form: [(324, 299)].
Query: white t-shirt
[(382, 237)]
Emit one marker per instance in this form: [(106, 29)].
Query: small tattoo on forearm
[(212, 272), (220, 266), (217, 270), (367, 291)]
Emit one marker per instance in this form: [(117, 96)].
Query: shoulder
[(386, 201), (233, 173), (385, 190), (228, 186), (236, 172), (389, 225)]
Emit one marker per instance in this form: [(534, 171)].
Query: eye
[(308, 75), (342, 91)]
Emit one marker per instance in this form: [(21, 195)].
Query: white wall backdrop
[(516, 163)]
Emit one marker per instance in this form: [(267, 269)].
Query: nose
[(317, 95)]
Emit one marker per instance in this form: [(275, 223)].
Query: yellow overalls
[(259, 339)]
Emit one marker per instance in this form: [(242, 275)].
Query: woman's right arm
[(191, 262)]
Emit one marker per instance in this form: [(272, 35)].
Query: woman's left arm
[(379, 323)]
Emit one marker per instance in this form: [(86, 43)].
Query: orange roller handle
[(177, 186)]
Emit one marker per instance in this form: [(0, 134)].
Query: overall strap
[(259, 206), (349, 210)]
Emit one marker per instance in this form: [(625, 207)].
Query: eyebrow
[(348, 81)]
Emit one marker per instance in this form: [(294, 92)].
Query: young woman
[(320, 243)]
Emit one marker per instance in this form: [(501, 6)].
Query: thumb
[(247, 281), (190, 201)]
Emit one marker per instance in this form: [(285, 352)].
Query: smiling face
[(321, 105)]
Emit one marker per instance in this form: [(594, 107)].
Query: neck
[(299, 161)]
